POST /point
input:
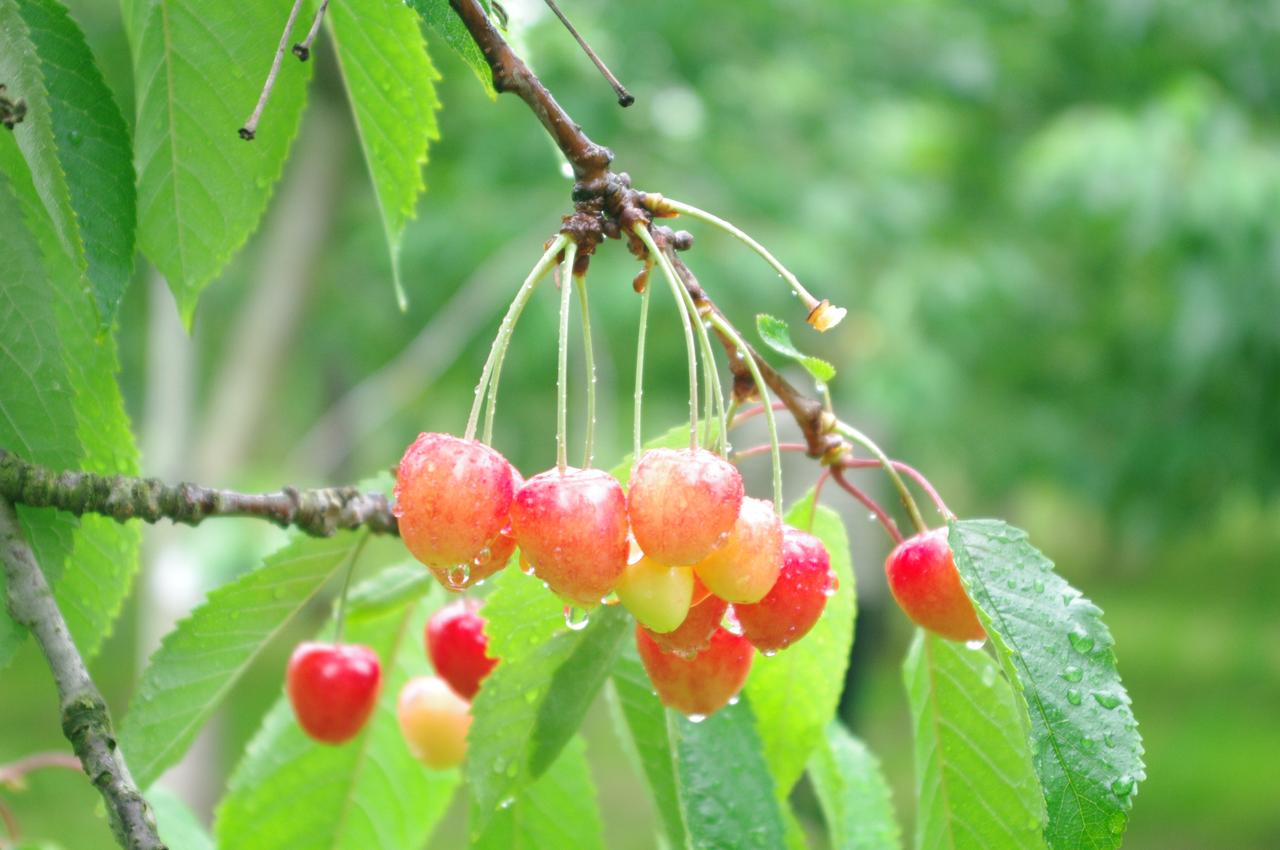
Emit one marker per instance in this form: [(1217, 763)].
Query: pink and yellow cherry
[(745, 566), (333, 689), (457, 644), (657, 595), (434, 722), (694, 632), (571, 527), (453, 498), (682, 503), (923, 579), (789, 610), (700, 685)]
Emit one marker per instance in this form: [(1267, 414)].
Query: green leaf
[(853, 793), (199, 69), (646, 719), (534, 701), (178, 825), (199, 661), (391, 86), (368, 794), (727, 796), (445, 23), (91, 144), (557, 810), (1052, 642), (814, 666), (975, 786), (775, 335), (392, 588)]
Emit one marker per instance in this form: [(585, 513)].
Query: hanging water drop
[(1107, 701), (735, 699), (458, 576), (1074, 696), (1073, 674), (1123, 786), (697, 718), (1081, 642), (575, 618), (975, 644)]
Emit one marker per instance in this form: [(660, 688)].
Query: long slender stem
[(340, 618), (721, 325), (637, 432), (589, 451), (911, 472), (562, 372), (303, 50), (711, 381), (625, 98), (488, 384), (871, 504), (903, 493), (677, 288), (250, 128)]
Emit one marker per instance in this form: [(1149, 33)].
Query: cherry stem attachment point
[(871, 504), (905, 494), (250, 128), (625, 97), (488, 385), (562, 371), (642, 231), (303, 50), (589, 454), (340, 618)]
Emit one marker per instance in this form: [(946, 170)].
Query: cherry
[(789, 610), (700, 685), (499, 553), (923, 578), (572, 529), (682, 503), (434, 722), (333, 689), (747, 564), (656, 595), (456, 643), (453, 498), (694, 633)]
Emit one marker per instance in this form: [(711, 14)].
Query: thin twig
[(250, 128), (16, 771), (303, 50), (871, 504), (625, 98)]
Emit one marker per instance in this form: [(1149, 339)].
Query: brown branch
[(318, 513), (85, 720)]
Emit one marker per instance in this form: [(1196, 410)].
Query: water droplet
[(566, 170), (975, 644), (735, 699), (1081, 642), (1073, 674), (482, 556), (1037, 586), (575, 618), (458, 576), (1116, 822), (1109, 739), (697, 718), (988, 676), (506, 804), (75, 137), (1107, 701), (1074, 696), (769, 653), (1123, 786)]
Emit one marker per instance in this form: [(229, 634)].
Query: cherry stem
[(885, 520), (903, 493), (10, 823), (488, 384), (752, 413), (807, 298), (642, 231), (589, 454), (726, 329), (250, 128), (562, 372), (340, 618), (710, 380), (303, 50), (636, 430), (817, 491), (16, 771), (625, 97), (911, 472), (765, 447)]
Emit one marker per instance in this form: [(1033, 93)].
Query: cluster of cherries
[(710, 575)]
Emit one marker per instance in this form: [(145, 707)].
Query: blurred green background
[(1056, 226)]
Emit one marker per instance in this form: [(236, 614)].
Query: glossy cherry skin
[(456, 644), (682, 503), (703, 684), (789, 610), (452, 498), (695, 631), (657, 595), (572, 529), (333, 689), (488, 562), (745, 566), (923, 579), (434, 722)]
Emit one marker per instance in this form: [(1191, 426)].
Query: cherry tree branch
[(85, 720), (318, 513)]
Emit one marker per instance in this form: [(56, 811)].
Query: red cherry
[(453, 498), (923, 578), (456, 643), (702, 684), (795, 603), (682, 503), (747, 564), (434, 722), (572, 529), (333, 689), (694, 633)]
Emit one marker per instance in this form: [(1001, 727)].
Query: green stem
[(589, 454), (488, 385), (340, 618), (636, 429), (904, 493), (710, 379), (562, 373), (775, 450), (677, 287)]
